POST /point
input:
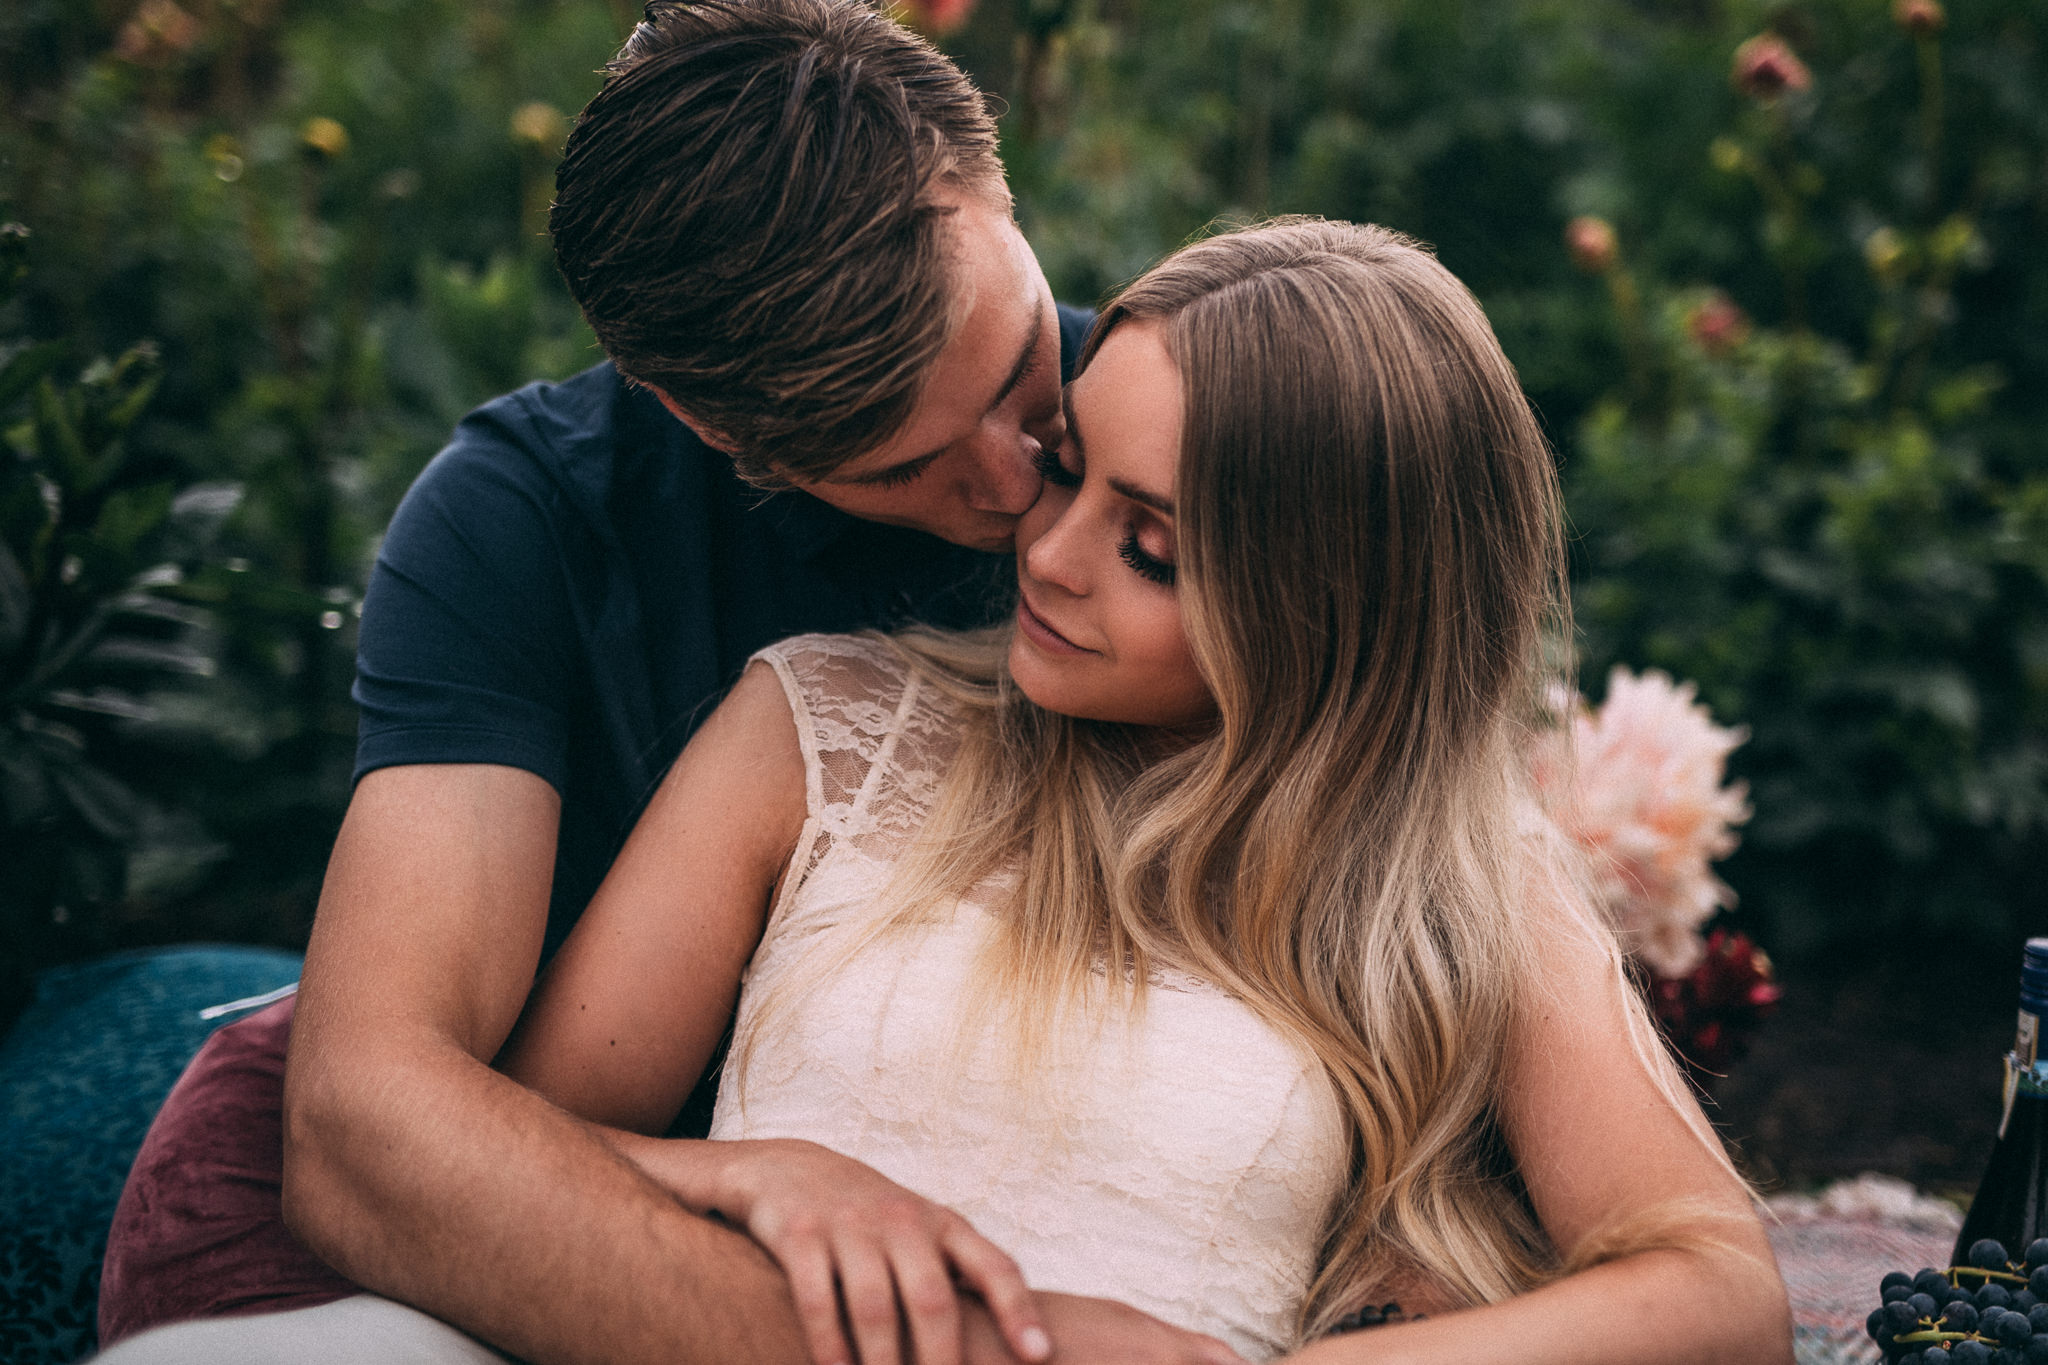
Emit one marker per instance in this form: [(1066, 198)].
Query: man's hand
[(1102, 1332), (862, 1252)]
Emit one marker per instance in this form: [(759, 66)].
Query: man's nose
[(1004, 479)]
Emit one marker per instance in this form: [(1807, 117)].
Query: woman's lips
[(1043, 635)]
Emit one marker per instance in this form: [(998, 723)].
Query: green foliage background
[(1802, 413)]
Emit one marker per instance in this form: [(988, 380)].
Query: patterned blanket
[(1834, 1249)]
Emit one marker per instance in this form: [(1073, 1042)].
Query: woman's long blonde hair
[(1369, 546)]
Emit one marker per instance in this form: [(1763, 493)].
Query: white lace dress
[(1181, 1158)]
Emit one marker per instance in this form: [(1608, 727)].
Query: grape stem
[(1989, 1275), (1931, 1334)]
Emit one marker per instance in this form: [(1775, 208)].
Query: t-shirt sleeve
[(465, 653)]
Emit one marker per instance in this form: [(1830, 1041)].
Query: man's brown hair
[(746, 214)]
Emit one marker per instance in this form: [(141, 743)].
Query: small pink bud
[(1593, 246), (1766, 68), (1921, 18), (939, 16), (1718, 325)]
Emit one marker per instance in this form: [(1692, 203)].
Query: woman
[(1193, 942)]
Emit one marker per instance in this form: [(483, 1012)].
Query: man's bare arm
[(421, 1173)]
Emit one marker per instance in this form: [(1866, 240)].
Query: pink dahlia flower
[(1640, 785)]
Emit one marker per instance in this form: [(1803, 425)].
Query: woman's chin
[(1035, 676)]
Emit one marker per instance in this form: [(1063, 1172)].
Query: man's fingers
[(930, 1302), (996, 1278), (868, 1291), (816, 1291)]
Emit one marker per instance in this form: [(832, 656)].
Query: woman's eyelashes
[(1047, 462), (1148, 566)]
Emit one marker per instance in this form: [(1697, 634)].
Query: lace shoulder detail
[(876, 738)]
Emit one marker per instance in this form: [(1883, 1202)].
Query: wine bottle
[(2011, 1206)]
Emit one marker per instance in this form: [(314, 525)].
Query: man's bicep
[(434, 909)]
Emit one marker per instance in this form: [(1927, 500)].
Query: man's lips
[(1040, 632)]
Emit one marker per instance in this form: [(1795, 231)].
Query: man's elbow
[(318, 1119)]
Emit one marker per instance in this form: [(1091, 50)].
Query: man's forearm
[(445, 1185)]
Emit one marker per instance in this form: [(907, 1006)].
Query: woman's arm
[(1610, 1163), (628, 1014), (630, 1010)]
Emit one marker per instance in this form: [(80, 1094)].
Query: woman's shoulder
[(857, 680), (859, 662), (861, 701)]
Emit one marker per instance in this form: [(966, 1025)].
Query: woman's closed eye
[(1147, 565), (1052, 470)]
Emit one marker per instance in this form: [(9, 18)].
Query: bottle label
[(2019, 1063)]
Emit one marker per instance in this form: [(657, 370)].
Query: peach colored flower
[(1765, 68), (1592, 243), (1639, 785)]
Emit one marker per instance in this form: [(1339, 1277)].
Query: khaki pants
[(364, 1330)]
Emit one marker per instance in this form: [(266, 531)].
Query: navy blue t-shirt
[(576, 580)]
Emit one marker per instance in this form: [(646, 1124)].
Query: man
[(787, 224)]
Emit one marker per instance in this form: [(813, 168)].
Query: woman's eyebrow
[(1158, 502)]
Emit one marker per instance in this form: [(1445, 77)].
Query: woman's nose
[(1053, 555)]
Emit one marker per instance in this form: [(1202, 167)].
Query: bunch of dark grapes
[(1993, 1311)]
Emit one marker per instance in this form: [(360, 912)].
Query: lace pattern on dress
[(1193, 1154)]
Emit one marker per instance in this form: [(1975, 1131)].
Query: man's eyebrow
[(1026, 358), (1155, 501)]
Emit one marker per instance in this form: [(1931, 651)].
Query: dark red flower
[(1711, 1015), (1765, 68)]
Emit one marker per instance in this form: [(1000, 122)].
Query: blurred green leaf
[(25, 365)]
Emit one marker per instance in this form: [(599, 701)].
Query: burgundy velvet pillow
[(199, 1231)]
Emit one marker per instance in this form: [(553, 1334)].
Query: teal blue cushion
[(82, 1073)]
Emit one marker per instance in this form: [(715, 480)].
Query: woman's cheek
[(1171, 682)]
